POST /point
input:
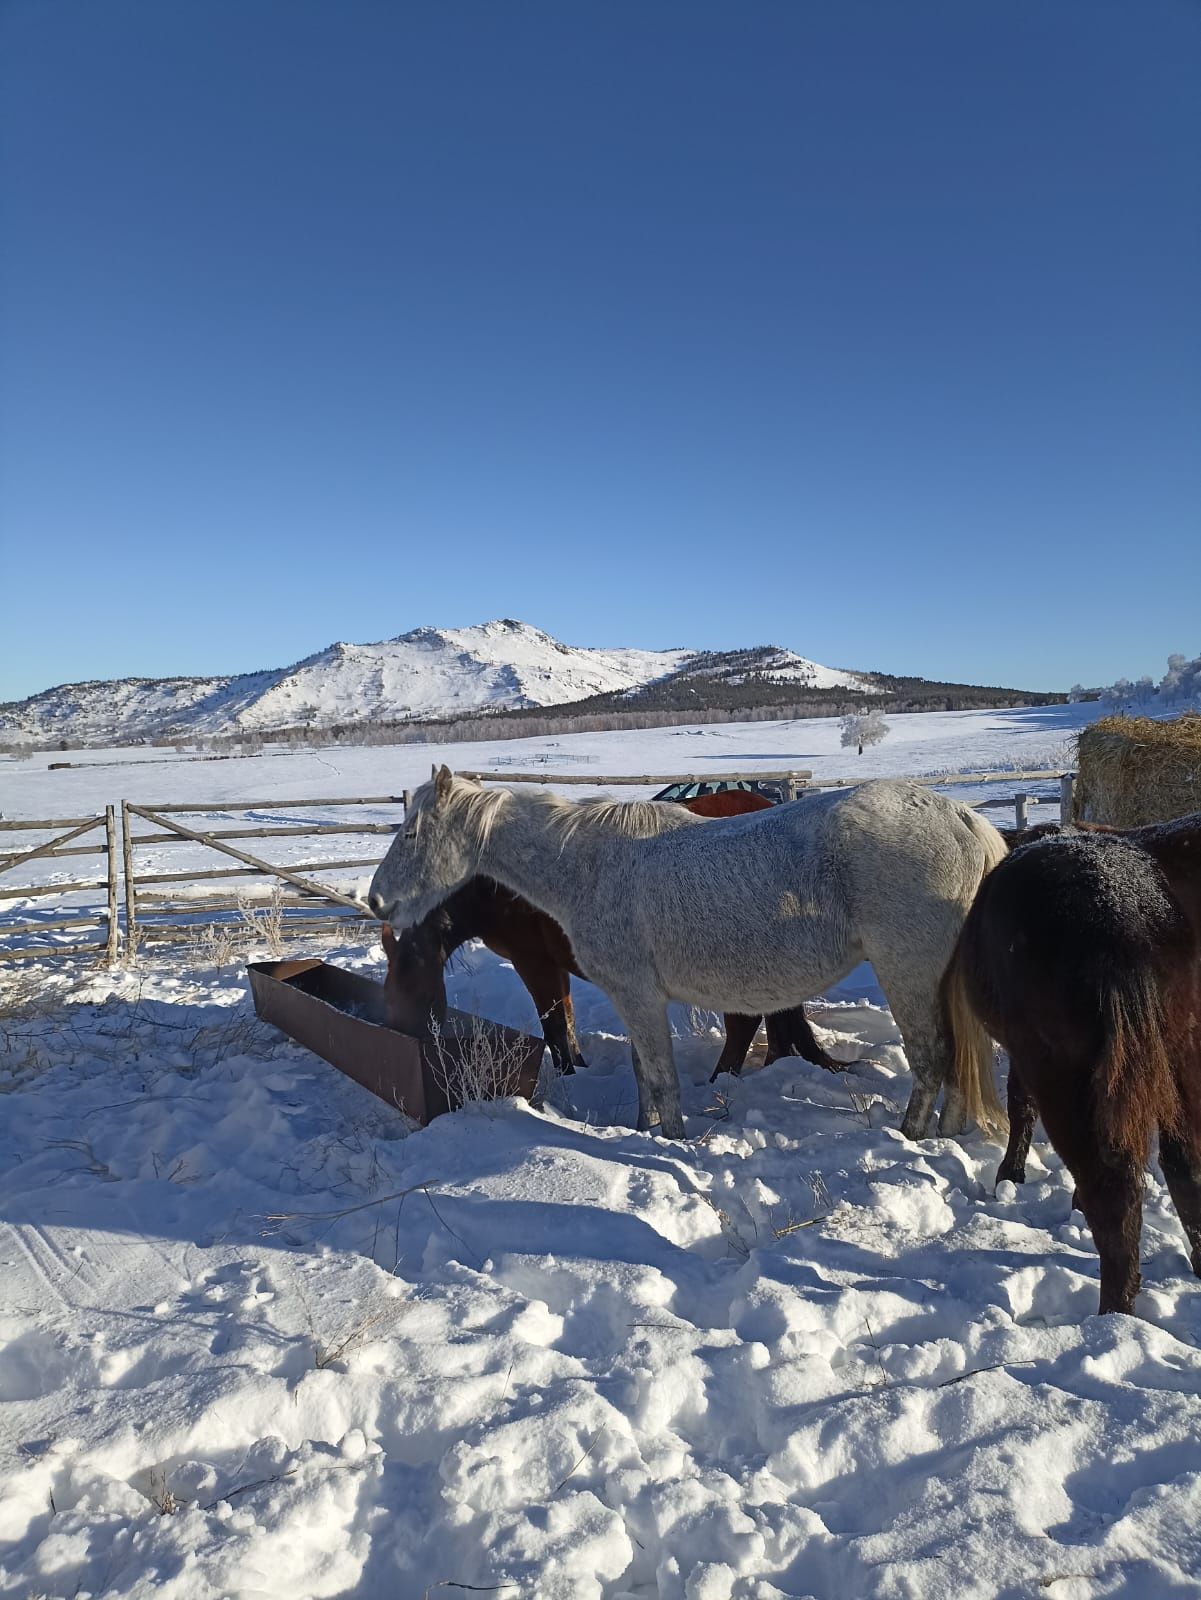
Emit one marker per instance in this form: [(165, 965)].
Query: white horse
[(751, 914)]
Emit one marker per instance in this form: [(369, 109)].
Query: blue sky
[(868, 329)]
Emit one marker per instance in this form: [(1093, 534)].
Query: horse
[(543, 959), (750, 914), (415, 988), (1082, 956)]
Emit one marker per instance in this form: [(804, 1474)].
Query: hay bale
[(1135, 770)]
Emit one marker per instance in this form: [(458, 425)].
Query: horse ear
[(433, 771), (442, 782)]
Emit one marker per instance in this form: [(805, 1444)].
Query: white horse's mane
[(479, 809), (630, 819)]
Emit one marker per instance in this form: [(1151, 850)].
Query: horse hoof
[(916, 1128), (1010, 1174)]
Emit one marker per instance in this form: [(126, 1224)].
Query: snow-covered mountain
[(425, 674)]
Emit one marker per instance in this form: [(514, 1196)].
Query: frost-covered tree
[(1179, 688), (1181, 684), (863, 728)]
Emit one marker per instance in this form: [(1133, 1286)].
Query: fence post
[(110, 837), (789, 787), (131, 912), (1019, 808), (1067, 797)]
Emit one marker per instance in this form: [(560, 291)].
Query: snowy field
[(259, 1339)]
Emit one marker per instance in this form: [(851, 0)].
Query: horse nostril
[(376, 901)]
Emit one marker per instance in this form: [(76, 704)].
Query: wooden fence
[(155, 910), (145, 906), (68, 836)]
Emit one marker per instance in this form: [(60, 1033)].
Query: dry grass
[(22, 992), (1135, 770), (31, 1017), (329, 1350), (477, 1062), (160, 1495), (259, 923)]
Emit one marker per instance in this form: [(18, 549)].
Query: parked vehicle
[(693, 789)]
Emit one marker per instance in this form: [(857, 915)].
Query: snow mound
[(260, 1339)]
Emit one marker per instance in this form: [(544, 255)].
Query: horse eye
[(410, 833)]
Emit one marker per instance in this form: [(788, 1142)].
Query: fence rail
[(798, 774)]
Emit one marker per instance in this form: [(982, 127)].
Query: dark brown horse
[(1082, 955), (544, 961)]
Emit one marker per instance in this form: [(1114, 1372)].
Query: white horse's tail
[(991, 840), (972, 1071)]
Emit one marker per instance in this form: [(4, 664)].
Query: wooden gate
[(155, 912), (69, 832)]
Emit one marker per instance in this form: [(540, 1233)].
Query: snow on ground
[(261, 1340)]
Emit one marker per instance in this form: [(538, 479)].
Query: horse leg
[(917, 1010), (1111, 1198), (740, 1035), (654, 1064), (573, 1043), (646, 1104), (1181, 1163), (1022, 1113), (789, 1034), (1109, 1190), (554, 955), (550, 989)]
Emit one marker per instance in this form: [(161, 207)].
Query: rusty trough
[(341, 1016)]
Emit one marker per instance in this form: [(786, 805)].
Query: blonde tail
[(972, 1067)]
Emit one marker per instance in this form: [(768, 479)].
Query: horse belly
[(771, 971)]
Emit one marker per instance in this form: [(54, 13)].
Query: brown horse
[(544, 961), (1082, 955), (727, 803)]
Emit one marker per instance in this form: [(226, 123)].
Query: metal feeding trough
[(341, 1016)]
